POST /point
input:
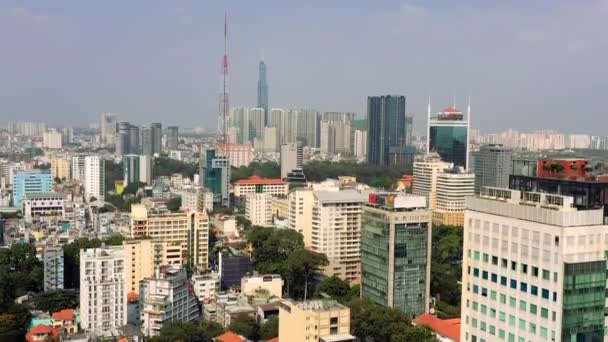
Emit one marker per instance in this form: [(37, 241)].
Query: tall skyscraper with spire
[(263, 89)]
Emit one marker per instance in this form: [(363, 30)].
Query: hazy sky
[(526, 64)]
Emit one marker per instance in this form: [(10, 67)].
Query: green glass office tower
[(395, 252), (448, 136), (386, 127), (215, 176)]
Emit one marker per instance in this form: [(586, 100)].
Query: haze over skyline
[(526, 66)]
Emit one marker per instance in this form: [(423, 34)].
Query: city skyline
[(509, 68)]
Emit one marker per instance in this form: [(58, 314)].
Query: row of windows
[(512, 283), (523, 306), (513, 265)]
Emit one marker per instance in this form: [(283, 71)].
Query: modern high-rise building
[(189, 231), (215, 176), (107, 128), (426, 171), (307, 127), (448, 135), (61, 168), (275, 118), (396, 252), (28, 182), (292, 157), (103, 299), (321, 320), (172, 138), (94, 178), (256, 124), (271, 140), (167, 297), (134, 146), (289, 126), (53, 268), (263, 90), (409, 129), (137, 169), (453, 187), (360, 143), (534, 268), (122, 138), (386, 127), (335, 136), (239, 120), (258, 208), (492, 165), (78, 168), (52, 139), (157, 136), (146, 141), (67, 135)]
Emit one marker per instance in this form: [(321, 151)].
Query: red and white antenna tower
[(224, 105)]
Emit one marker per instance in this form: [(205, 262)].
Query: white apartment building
[(292, 157), (425, 177), (270, 283), (258, 209), (534, 269), (206, 286), (336, 229), (453, 186), (197, 199), (103, 299), (166, 298), (52, 139), (238, 154), (271, 140), (94, 178), (78, 168), (360, 143)]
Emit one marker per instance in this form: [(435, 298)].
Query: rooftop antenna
[(428, 124)]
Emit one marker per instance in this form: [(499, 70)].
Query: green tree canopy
[(374, 175), (336, 288), (174, 203), (303, 265), (246, 325), (446, 269), (270, 329), (192, 331), (53, 301)]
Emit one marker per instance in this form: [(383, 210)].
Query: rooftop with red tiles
[(449, 328), (255, 179)]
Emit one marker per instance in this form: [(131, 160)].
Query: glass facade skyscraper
[(448, 136), (386, 127), (263, 90), (395, 252)]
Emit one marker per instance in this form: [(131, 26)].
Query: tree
[(302, 265), (270, 328), (446, 270), (53, 301), (373, 322), (336, 288), (174, 203), (164, 166), (242, 221), (132, 188), (374, 175), (246, 326)]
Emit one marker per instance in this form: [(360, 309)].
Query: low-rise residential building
[(206, 286), (269, 283), (43, 204), (166, 298), (314, 321)]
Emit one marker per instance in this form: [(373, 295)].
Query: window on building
[(494, 260), (503, 263), (494, 277), (534, 271), (484, 275), (544, 313), (503, 281), (523, 287), (513, 266), (545, 294), (513, 284), (534, 290), (532, 328), (485, 257), (546, 275), (524, 268), (522, 305), (533, 309)]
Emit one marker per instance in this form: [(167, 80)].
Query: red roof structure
[(229, 336), (132, 297), (449, 328), (451, 110), (276, 339), (43, 330), (64, 315), (255, 179)]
